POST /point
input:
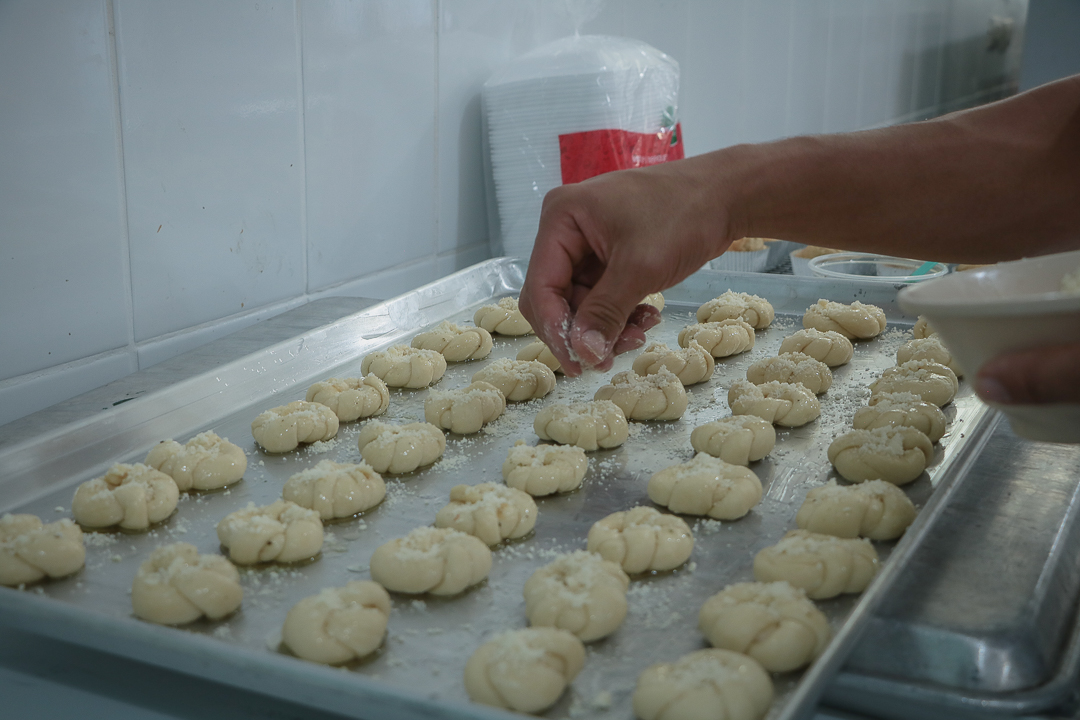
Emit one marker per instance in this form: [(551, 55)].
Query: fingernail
[(992, 391), (594, 342)]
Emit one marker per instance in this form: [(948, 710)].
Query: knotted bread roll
[(489, 511), (405, 366), (205, 462), (465, 410), (541, 353), (338, 624), (787, 404), (351, 398), (822, 565), (580, 592), (503, 318), (589, 425), (711, 684), (931, 381), (857, 321), (335, 490), (774, 623), (659, 396), (279, 532), (396, 449), (928, 348), (875, 509), (721, 339), (813, 374), (440, 561), (706, 486), (922, 328), (177, 585), (524, 670), (129, 496), (655, 299), (31, 550), (544, 469), (757, 311), (895, 454), (518, 380), (739, 439), (457, 343), (896, 409), (692, 364), (283, 428), (642, 539), (829, 347)]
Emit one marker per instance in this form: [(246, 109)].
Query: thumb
[(602, 314), (1031, 377)]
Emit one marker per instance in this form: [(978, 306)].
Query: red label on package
[(588, 154)]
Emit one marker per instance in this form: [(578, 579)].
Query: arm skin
[(998, 182)]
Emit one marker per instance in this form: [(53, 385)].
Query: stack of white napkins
[(577, 84)]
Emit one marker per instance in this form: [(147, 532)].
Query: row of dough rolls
[(618, 538), (771, 624)]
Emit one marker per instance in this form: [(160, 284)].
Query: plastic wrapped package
[(570, 110)]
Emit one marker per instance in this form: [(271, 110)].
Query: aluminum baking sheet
[(418, 672), (982, 618)]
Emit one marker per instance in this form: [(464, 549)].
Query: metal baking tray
[(418, 672), (981, 619)]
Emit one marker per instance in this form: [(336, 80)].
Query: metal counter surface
[(418, 672)]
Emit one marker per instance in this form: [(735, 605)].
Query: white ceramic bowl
[(1009, 306), (879, 269)]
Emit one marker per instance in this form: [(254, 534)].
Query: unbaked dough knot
[(31, 550), (580, 592), (352, 398), (205, 462), (822, 565), (129, 496), (706, 486), (177, 585), (338, 624), (642, 539), (692, 364), (280, 532)]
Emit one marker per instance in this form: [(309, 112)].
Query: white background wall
[(174, 171), (1052, 49)]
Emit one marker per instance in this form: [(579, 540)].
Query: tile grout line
[(301, 107), (788, 124), (829, 60), (125, 226), (944, 29), (913, 103), (437, 190)]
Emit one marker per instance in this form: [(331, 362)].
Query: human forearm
[(993, 183)]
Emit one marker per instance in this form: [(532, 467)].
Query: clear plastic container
[(875, 268)]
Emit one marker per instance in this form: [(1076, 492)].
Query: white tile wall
[(764, 54), (808, 69), (212, 152), (170, 172), (63, 278), (707, 89), (369, 129)]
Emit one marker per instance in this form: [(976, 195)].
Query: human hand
[(606, 243), (1042, 375)]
